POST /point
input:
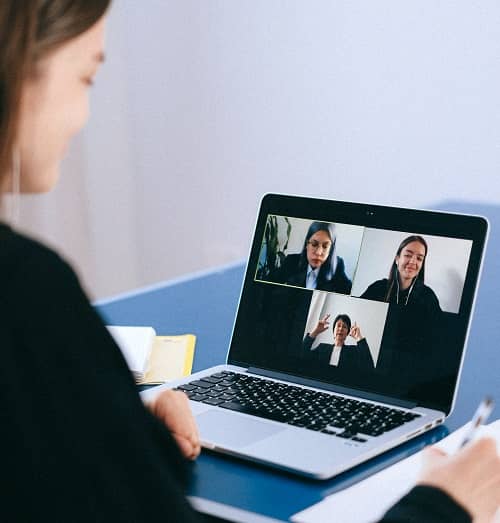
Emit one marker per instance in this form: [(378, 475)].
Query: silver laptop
[(349, 336)]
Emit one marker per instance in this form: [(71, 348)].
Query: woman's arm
[(365, 356), (322, 325)]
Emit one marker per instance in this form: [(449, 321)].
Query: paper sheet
[(383, 489), (135, 344)]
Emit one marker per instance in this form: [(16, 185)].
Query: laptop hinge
[(333, 388)]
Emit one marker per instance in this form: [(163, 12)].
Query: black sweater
[(77, 444), (421, 296)]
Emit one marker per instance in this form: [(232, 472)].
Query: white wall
[(203, 106)]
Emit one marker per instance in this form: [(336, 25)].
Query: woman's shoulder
[(340, 268), (376, 290), (339, 282), (13, 243), (427, 290), (22, 256), (429, 295), (291, 260), (18, 247), (291, 264), (379, 283)]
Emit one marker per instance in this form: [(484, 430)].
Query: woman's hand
[(356, 332), (172, 408), (471, 477), (322, 326)]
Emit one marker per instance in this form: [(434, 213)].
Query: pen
[(480, 416)]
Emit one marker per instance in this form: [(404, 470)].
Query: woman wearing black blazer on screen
[(317, 266)]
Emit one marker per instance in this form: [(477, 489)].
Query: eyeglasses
[(315, 245)]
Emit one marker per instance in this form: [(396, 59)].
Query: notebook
[(349, 336)]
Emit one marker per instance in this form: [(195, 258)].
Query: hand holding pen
[(471, 476), (480, 417)]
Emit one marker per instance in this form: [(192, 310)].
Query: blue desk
[(205, 304)]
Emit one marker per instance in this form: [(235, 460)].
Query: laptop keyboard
[(313, 410)]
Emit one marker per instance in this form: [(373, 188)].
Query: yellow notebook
[(171, 357)]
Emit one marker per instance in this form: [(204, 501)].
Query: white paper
[(368, 500), (136, 344)]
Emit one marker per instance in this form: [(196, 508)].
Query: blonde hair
[(29, 30)]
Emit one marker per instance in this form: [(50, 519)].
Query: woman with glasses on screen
[(317, 266), (77, 442)]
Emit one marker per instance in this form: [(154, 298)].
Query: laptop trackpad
[(231, 430)]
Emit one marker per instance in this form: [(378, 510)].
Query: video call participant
[(77, 442), (349, 358), (405, 285), (415, 357), (317, 266)]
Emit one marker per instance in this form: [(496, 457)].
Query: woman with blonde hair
[(77, 442)]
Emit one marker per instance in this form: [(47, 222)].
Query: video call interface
[(371, 309)]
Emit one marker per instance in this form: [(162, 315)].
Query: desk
[(205, 304)]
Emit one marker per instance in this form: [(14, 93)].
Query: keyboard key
[(213, 393), (346, 434), (211, 379), (201, 390), (187, 387), (213, 401), (198, 397), (226, 396), (201, 383)]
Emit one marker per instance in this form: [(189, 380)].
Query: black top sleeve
[(427, 504), (375, 291), (77, 442), (307, 342), (365, 358)]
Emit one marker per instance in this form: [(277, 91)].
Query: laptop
[(349, 336)]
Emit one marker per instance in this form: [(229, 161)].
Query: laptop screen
[(369, 298)]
